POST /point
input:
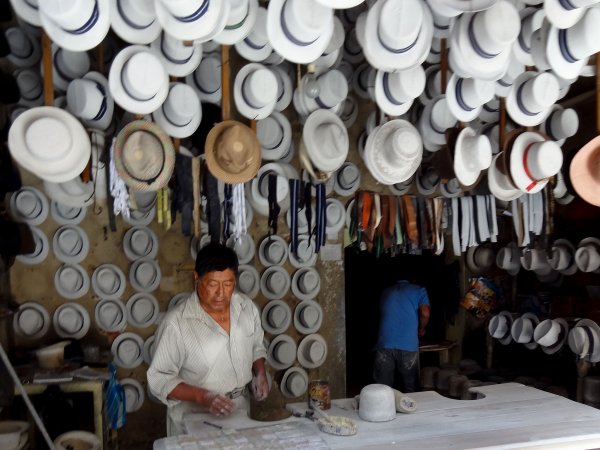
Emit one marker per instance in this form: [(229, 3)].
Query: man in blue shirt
[(404, 315)]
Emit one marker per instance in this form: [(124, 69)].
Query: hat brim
[(26, 12), (63, 254), (41, 200), (285, 98), (58, 326), (560, 17), (42, 248), (279, 151), (137, 35), (83, 288), (101, 320), (595, 357), (205, 96), (178, 299), (136, 284), (127, 336), (518, 173), (230, 36), (265, 289), (340, 4), (309, 262), (465, 176), (253, 54), (265, 317), (203, 29), (307, 340), (45, 317), (57, 194), (107, 118), (583, 172), (557, 346), (496, 186), (289, 372), (271, 359), (173, 68), (346, 192), (131, 253), (298, 323), (30, 59), (149, 319)]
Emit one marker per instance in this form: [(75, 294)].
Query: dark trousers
[(390, 362)]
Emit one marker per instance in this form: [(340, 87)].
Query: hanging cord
[(118, 190)]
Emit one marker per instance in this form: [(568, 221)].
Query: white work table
[(510, 416)]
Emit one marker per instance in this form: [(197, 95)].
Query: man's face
[(215, 289)]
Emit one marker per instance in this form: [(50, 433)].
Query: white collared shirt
[(192, 348)]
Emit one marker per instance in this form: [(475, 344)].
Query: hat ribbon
[(564, 47), (294, 188), (196, 14), (473, 40), (459, 97), (169, 57), (103, 106), (397, 50), (534, 182), (566, 4), (321, 218), (386, 90), (90, 22), (289, 35), (30, 4), (235, 26), (128, 21), (274, 208), (520, 103), (251, 44)]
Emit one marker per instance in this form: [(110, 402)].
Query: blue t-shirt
[(399, 322)]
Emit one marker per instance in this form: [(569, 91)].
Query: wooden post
[(443, 65), (47, 65), (501, 122), (225, 84)]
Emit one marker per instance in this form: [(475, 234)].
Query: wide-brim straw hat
[(127, 350), (144, 275), (509, 258), (285, 90), (281, 352), (142, 310), (294, 382), (312, 351), (480, 258), (308, 317), (67, 66), (516, 104), (71, 281), (41, 251), (347, 179), (564, 15), (188, 22), (275, 282), (479, 92), (255, 91), (244, 247), (31, 321), (255, 45), (29, 205), (111, 314), (71, 320), (70, 244), (131, 26), (81, 92), (587, 255), (276, 317), (140, 242), (583, 172)]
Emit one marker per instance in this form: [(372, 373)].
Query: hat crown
[(284, 352), (275, 250), (128, 350), (48, 132), (560, 257), (546, 333), (277, 316), (30, 321), (69, 14), (259, 88), (495, 29), (270, 132), (19, 43), (333, 88), (400, 146), (309, 316), (562, 124), (498, 326), (441, 117), (583, 38), (110, 314), (483, 256), (478, 152), (140, 12), (108, 280), (143, 75), (84, 98), (28, 204), (69, 241), (275, 281), (538, 93), (143, 154), (308, 281), (233, 151), (587, 258), (400, 23), (348, 175), (296, 384), (70, 320), (522, 330), (145, 273), (71, 64), (305, 23), (543, 160), (429, 178)]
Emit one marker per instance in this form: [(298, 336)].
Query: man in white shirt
[(210, 346)]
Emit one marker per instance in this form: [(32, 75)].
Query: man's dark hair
[(215, 257)]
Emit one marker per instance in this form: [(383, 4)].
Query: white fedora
[(508, 258), (335, 215), (312, 351), (500, 327), (433, 84), (533, 161), (536, 260), (306, 283), (347, 179), (584, 340), (531, 20), (134, 21), (108, 281), (244, 247), (489, 114), (562, 257), (31, 88), (324, 143), (127, 350), (276, 317), (255, 46), (42, 248), (427, 181), (434, 121), (308, 317), (275, 135), (284, 87), (522, 330), (178, 299), (551, 335), (349, 111), (560, 192), (142, 310), (560, 124), (531, 97), (27, 11), (73, 193), (275, 282), (181, 113), (178, 59), (360, 80), (332, 54), (305, 255), (248, 280), (451, 188), (587, 256), (331, 91), (140, 242), (472, 155), (395, 92), (134, 394), (67, 66), (138, 79), (281, 352), (240, 22), (466, 96), (111, 315), (31, 321), (206, 79), (137, 217), (75, 25), (71, 320), (71, 281), (395, 39), (257, 189), (25, 49), (144, 275), (393, 152), (190, 20), (71, 244), (299, 30), (272, 251), (89, 99), (567, 14), (255, 91), (294, 382), (46, 127), (480, 258), (29, 205), (499, 181), (149, 349)]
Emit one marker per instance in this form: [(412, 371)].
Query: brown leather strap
[(392, 220), (366, 210), (410, 217), (385, 220)]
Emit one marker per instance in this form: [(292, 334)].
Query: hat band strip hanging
[(227, 210), (274, 208), (294, 187)]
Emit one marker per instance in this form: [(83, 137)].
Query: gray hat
[(71, 244), (144, 275), (71, 281)]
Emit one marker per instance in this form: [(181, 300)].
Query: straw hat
[(255, 45), (562, 257), (111, 315), (522, 330), (77, 440), (144, 275), (248, 280), (71, 320), (587, 256), (305, 255), (566, 15), (244, 247), (551, 335), (276, 317), (500, 327), (349, 111), (306, 283), (308, 317), (560, 192), (347, 179), (395, 92), (134, 394), (434, 121), (472, 155), (275, 135), (499, 181), (76, 26), (281, 353), (312, 351), (42, 248), (71, 244), (206, 79), (232, 152), (140, 242), (584, 340), (89, 99), (275, 282), (149, 349), (560, 124), (284, 87), (31, 321), (466, 96), (25, 50), (335, 216), (190, 20), (329, 92), (73, 193), (531, 20), (531, 97), (27, 11), (240, 22), (359, 82), (142, 310), (294, 382), (272, 251), (427, 181), (178, 299), (178, 59), (480, 258), (127, 350), (584, 177), (134, 21), (28, 205), (508, 258), (38, 129), (451, 188), (30, 87), (71, 281)]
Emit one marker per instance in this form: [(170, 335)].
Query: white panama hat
[(255, 91), (248, 280), (536, 260), (206, 79), (276, 317), (244, 247), (29, 205), (275, 135), (27, 10), (472, 155), (89, 99), (360, 80), (531, 20), (30, 86), (433, 84), (71, 281), (140, 242), (564, 15), (179, 59), (134, 394), (67, 66), (284, 87), (308, 317), (111, 315), (144, 275), (272, 251), (312, 351), (70, 244), (499, 181), (134, 21), (347, 179), (294, 382), (395, 92), (275, 282), (257, 189), (108, 281), (281, 352), (531, 97), (584, 340), (332, 55), (397, 34), (127, 350), (335, 215), (78, 25), (138, 79), (77, 439), (71, 320), (466, 97), (349, 111), (142, 310), (522, 330), (560, 192), (255, 47), (25, 49), (240, 22), (587, 256), (190, 20), (340, 4), (434, 121), (42, 248), (508, 258), (560, 124), (551, 334), (306, 283), (326, 140), (299, 30), (332, 90), (31, 321), (149, 349), (480, 258), (181, 112), (178, 299), (73, 193), (500, 327), (306, 254)]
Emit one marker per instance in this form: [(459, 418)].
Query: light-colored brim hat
[(395, 92), (499, 181), (257, 189), (67, 66), (134, 394), (142, 310), (587, 256), (306, 283), (427, 181), (451, 188), (134, 21), (480, 258), (248, 280), (472, 155), (284, 87), (255, 46), (584, 177), (127, 350), (276, 317), (584, 340), (240, 22), (509, 258), (31, 321), (38, 129), (281, 352), (196, 244), (360, 81), (77, 440), (560, 124), (149, 349), (349, 111), (71, 320), (312, 351), (27, 11), (536, 260), (500, 327), (42, 248), (275, 135), (255, 91), (29, 205), (244, 247), (140, 242), (70, 244), (275, 282), (294, 382), (71, 281), (188, 20), (340, 4), (308, 317), (144, 275), (89, 99), (305, 255), (273, 251), (562, 257), (564, 15), (402, 188), (178, 299), (206, 79), (30, 87), (25, 50), (522, 330), (111, 314), (73, 193), (347, 179), (531, 97), (335, 215), (434, 121), (466, 96), (551, 334), (178, 59), (108, 281)]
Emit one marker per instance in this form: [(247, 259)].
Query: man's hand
[(260, 386), (217, 404)]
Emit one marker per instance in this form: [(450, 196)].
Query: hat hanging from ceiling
[(140, 242), (71, 244), (533, 161), (248, 280), (434, 121), (206, 79), (138, 79), (232, 151), (71, 320), (583, 174), (349, 111), (531, 97), (144, 275), (275, 282), (499, 327), (30, 86), (466, 96), (275, 135), (499, 181), (427, 181), (294, 382), (472, 155), (281, 352), (191, 20), (272, 251), (142, 310), (480, 258), (340, 4), (306, 283), (308, 317), (28, 205), (284, 87), (329, 93), (347, 179), (31, 321), (509, 258), (522, 330), (395, 92), (397, 34), (78, 25), (127, 350), (71, 281), (332, 54), (561, 124), (255, 91), (39, 129), (178, 59), (531, 20), (584, 340), (42, 248), (244, 247), (299, 30), (134, 21), (144, 156), (566, 15), (181, 113), (312, 351), (360, 80), (276, 317), (25, 49), (73, 193), (178, 299), (536, 260), (306, 254), (433, 84), (89, 99), (134, 394), (551, 334), (27, 11), (562, 257), (240, 22), (111, 314), (255, 46), (560, 192), (587, 256), (108, 281), (503, 84), (451, 188)]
